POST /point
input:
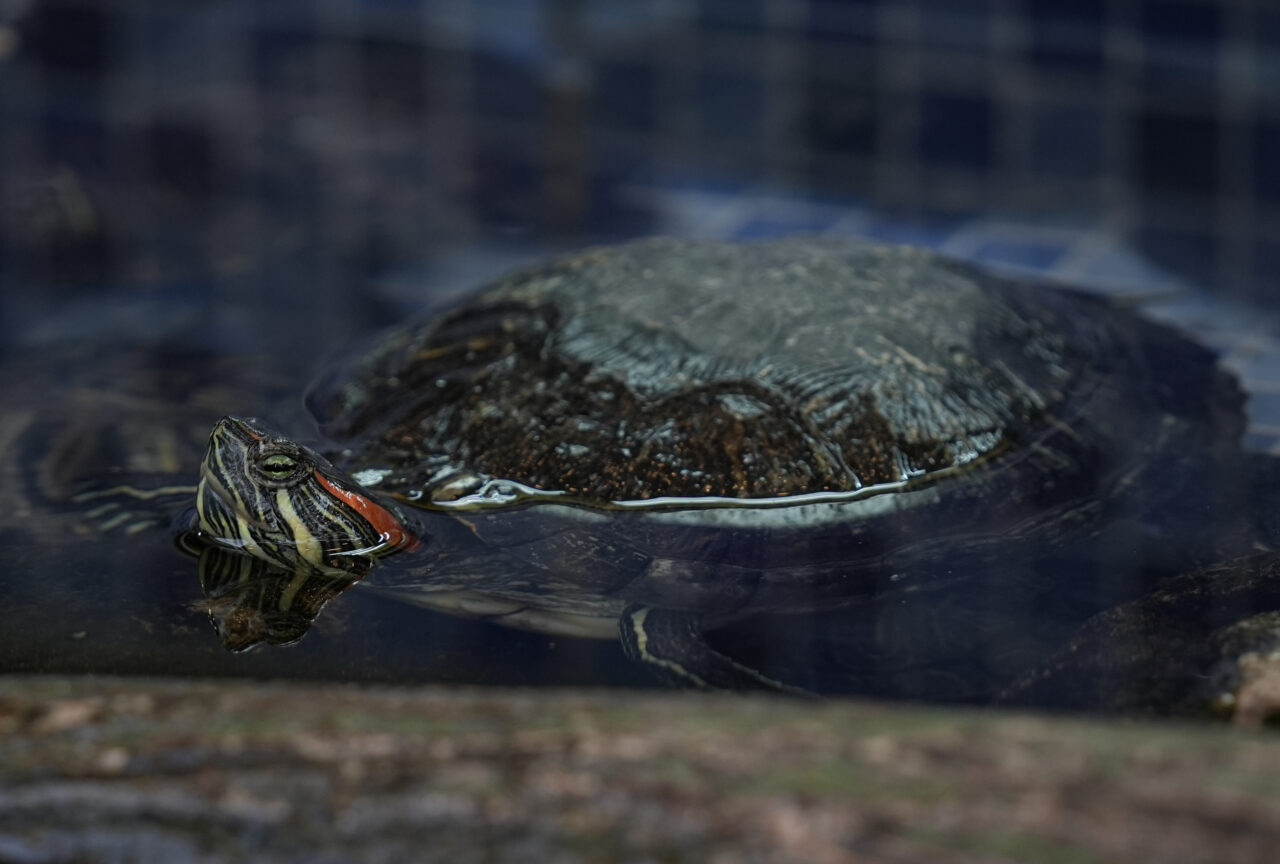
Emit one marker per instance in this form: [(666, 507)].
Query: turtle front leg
[(670, 643)]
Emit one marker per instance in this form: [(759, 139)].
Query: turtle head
[(264, 495)]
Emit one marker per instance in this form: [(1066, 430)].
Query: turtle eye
[(278, 466)]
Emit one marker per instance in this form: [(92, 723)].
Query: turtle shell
[(774, 425), (680, 372)]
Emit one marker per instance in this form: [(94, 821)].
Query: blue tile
[(770, 227), (841, 117), (1263, 370), (1267, 54), (1176, 153), (284, 58), (1089, 11), (955, 23), (1183, 21), (624, 95), (685, 178), (1192, 254), (837, 177), (78, 137), (1119, 270), (1266, 160), (842, 22), (1266, 31), (1260, 442), (1181, 45), (394, 72), (746, 15), (1066, 34), (1035, 256), (1174, 72), (1265, 286), (1264, 408), (1066, 141), (974, 8), (931, 231), (506, 87), (73, 37), (730, 106), (183, 157), (955, 130)]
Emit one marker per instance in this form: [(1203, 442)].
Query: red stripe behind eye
[(379, 517)]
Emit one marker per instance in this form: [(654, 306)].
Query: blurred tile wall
[(144, 141)]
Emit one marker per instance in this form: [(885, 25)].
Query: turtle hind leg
[(670, 643)]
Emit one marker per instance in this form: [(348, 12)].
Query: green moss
[(846, 779), (1008, 845)]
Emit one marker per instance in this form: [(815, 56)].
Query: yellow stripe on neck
[(308, 546)]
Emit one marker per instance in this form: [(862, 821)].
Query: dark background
[(222, 150), (201, 203)]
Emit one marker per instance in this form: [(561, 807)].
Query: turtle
[(1203, 643), (655, 440)]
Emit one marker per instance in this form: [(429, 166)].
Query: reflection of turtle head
[(271, 498)]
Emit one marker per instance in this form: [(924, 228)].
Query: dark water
[(193, 205), (122, 389), (116, 391), (98, 585)]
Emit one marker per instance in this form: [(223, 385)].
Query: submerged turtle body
[(678, 434)]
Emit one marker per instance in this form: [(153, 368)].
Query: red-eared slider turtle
[(656, 439)]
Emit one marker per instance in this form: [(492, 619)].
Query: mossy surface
[(209, 770)]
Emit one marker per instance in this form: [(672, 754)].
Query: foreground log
[(130, 770)]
